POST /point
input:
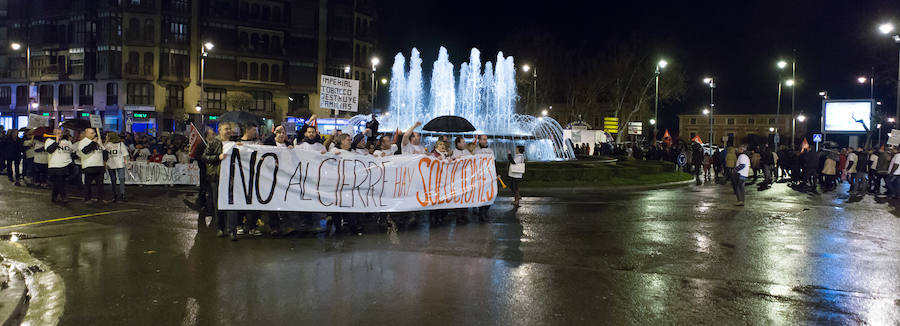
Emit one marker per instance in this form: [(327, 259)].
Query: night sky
[(737, 42)]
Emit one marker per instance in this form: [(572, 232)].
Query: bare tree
[(239, 101)]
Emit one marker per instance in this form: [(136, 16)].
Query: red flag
[(804, 146), (194, 139), (697, 139), (667, 138)]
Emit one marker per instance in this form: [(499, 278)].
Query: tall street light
[(712, 104), (204, 51), (375, 62), (708, 112), (790, 83), (16, 46), (862, 80), (888, 29), (659, 66), (800, 118), (533, 70), (781, 64)]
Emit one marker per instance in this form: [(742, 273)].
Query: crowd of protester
[(368, 142)]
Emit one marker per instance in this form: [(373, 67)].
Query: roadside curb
[(572, 190), (13, 297), (42, 298)]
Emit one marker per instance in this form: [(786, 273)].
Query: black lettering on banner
[(246, 182), (339, 186), (384, 181), (356, 185), (370, 190), (301, 180), (319, 182), (274, 177)]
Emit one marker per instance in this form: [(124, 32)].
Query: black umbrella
[(241, 118), (77, 124), (449, 123)]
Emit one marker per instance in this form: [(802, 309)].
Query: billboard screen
[(842, 116)]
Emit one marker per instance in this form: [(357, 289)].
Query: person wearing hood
[(359, 145)]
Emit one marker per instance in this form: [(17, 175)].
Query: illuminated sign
[(141, 115), (45, 114), (85, 114), (213, 117)]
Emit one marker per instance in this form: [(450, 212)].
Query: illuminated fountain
[(486, 97)]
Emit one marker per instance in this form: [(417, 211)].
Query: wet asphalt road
[(683, 255)]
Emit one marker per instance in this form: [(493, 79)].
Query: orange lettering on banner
[(427, 162), (493, 179), (453, 182)]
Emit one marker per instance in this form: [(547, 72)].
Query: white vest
[(91, 159), (62, 157)]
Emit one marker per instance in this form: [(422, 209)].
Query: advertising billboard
[(847, 116)]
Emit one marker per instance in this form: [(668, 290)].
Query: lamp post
[(781, 64), (16, 46), (659, 66), (533, 70), (375, 62), (790, 83), (708, 113), (204, 51), (712, 104), (862, 80), (888, 29)]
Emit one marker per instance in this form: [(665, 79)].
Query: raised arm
[(409, 132)]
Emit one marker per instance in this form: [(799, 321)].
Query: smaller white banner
[(145, 173), (36, 120), (339, 94)]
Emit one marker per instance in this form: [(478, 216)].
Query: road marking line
[(68, 218)]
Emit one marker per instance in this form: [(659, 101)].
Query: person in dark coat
[(14, 151)]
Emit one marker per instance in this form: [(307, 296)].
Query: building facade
[(143, 64), (735, 128)]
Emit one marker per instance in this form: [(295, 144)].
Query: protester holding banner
[(91, 154), (278, 138), (250, 137), (60, 157), (412, 141), (459, 148), (118, 158), (484, 149), (213, 157)]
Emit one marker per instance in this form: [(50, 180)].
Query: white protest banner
[(36, 121), (146, 173), (95, 121), (635, 128), (894, 137), (268, 178), (339, 94)]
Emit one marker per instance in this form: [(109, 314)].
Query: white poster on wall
[(339, 94)]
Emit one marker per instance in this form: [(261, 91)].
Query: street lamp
[(891, 120), (888, 29), (16, 46), (347, 71), (527, 68), (863, 80), (34, 105), (204, 51), (544, 113), (659, 66), (790, 83), (781, 64), (712, 104), (375, 62), (384, 81), (652, 122), (824, 94), (801, 118)]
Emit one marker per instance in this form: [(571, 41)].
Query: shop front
[(141, 119)]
